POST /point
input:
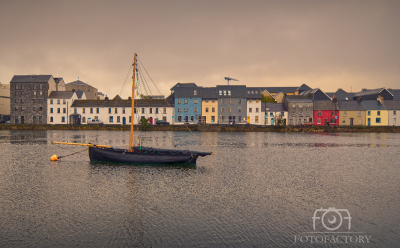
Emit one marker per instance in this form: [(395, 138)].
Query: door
[(351, 121), (151, 120), (123, 120), (369, 121), (248, 119), (326, 121), (230, 119), (22, 119), (186, 118), (233, 121), (272, 121)]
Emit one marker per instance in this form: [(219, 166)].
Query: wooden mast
[(133, 100)]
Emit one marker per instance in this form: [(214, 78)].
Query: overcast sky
[(324, 44)]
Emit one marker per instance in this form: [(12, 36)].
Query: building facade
[(60, 106), (393, 108), (90, 91), (209, 106), (272, 112), (326, 113), (232, 105), (300, 110), (351, 113), (188, 105)]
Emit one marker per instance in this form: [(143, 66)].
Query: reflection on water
[(258, 190)]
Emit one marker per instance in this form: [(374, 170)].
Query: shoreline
[(212, 128)]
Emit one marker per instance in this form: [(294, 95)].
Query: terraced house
[(188, 101), (210, 106), (232, 104), (376, 113), (351, 113)]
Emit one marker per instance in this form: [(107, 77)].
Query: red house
[(326, 113)]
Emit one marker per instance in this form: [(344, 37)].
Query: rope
[(72, 154)]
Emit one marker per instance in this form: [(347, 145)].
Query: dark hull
[(144, 156)]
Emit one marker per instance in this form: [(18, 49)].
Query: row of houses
[(44, 99)]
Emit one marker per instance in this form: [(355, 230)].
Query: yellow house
[(209, 106), (351, 113), (375, 113)]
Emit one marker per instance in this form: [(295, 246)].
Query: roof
[(325, 105), (351, 105), (77, 82), (254, 92), (117, 97), (275, 107), (373, 105), (303, 87), (61, 94), (100, 94), (395, 93), (317, 94), (187, 92), (369, 92), (180, 85), (340, 91), (79, 93), (58, 80), (279, 89), (341, 96), (31, 78), (210, 93), (391, 105), (126, 103), (237, 91), (298, 98)]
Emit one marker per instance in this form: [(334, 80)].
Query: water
[(258, 190)]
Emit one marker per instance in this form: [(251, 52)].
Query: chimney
[(106, 98), (334, 99), (380, 99), (129, 98), (359, 99)]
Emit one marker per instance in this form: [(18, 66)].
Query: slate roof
[(61, 94), (58, 80), (274, 107), (31, 78), (185, 85), (188, 92), (254, 92), (79, 93), (395, 93), (392, 105), (139, 103), (325, 105), (298, 98), (340, 91), (237, 91), (77, 82), (279, 89), (373, 105), (317, 94), (210, 93), (341, 96), (368, 92), (351, 105), (303, 87)]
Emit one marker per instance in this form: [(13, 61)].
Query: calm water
[(258, 190)]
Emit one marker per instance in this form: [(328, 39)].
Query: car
[(8, 122), (162, 122), (2, 122), (95, 122)]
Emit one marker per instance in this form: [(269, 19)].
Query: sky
[(324, 44)]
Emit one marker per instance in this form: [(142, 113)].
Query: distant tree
[(143, 96), (144, 122), (279, 120), (269, 99)]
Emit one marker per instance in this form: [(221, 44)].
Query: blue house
[(187, 98)]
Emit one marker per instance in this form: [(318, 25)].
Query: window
[(41, 86), (51, 109), (394, 120), (111, 119), (34, 119), (271, 114), (240, 101), (16, 100), (58, 101), (307, 114), (64, 110), (206, 110), (118, 119), (250, 101), (222, 101), (222, 110), (40, 100), (307, 105), (319, 114), (257, 100), (359, 114), (164, 110), (294, 114), (333, 121), (250, 110), (51, 118), (282, 114), (22, 93), (224, 92), (318, 121), (164, 118), (333, 113), (294, 105), (290, 121), (179, 101), (222, 119), (266, 120), (134, 110), (51, 101), (58, 110), (109, 110), (96, 117), (369, 113), (75, 110), (394, 112), (83, 119), (22, 108), (34, 86), (213, 109), (239, 109), (300, 113), (192, 118), (142, 110), (359, 121), (186, 101), (156, 110), (83, 110), (64, 102), (180, 118), (230, 101), (344, 121), (185, 109), (378, 113), (229, 110), (22, 86), (344, 113), (123, 110), (229, 92), (115, 110), (63, 119), (257, 110), (300, 105), (212, 118), (378, 120), (195, 93), (22, 100), (17, 86), (151, 110), (256, 119), (97, 110), (220, 92), (41, 93), (195, 110), (130, 118)]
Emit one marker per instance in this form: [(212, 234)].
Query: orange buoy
[(54, 158)]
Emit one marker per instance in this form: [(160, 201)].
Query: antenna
[(229, 79)]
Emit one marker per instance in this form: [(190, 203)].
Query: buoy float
[(54, 158)]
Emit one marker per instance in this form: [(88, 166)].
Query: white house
[(118, 111), (59, 106), (393, 108), (254, 112), (272, 111)]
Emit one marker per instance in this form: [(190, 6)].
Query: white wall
[(274, 116), (393, 116), (58, 117), (254, 113)]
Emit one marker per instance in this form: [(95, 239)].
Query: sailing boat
[(138, 154)]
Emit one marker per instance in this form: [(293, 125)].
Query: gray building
[(232, 106), (28, 98), (300, 109)]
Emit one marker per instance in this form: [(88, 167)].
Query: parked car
[(2, 122), (8, 122), (162, 122), (95, 122)]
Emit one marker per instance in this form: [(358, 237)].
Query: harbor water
[(257, 190)]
